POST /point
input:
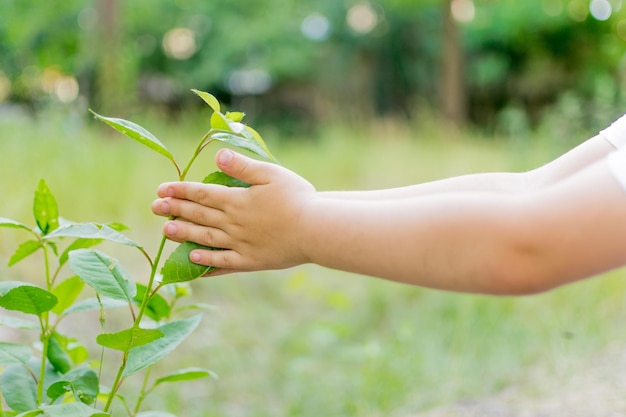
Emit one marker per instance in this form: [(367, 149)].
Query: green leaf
[(27, 248), (188, 374), (196, 307), (174, 333), (218, 121), (93, 304), (208, 99), (153, 414), (4, 222), (77, 244), (137, 133), (31, 413), (241, 142), (92, 231), (235, 116), (128, 339), (45, 209), (103, 274), (178, 289), (18, 388), (220, 178), (57, 355), (71, 410), (82, 382), (14, 354), (67, 292), (17, 323), (157, 308), (179, 268), (256, 137), (25, 297)]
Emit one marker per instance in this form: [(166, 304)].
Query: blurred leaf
[(94, 304), (71, 410), (154, 414), (103, 274), (240, 142), (58, 357), (196, 306), (178, 289), (78, 244), (81, 382), (128, 339), (45, 209), (174, 333), (235, 116), (18, 388), (218, 121), (92, 231), (25, 297), (256, 137), (136, 132), (14, 354), (179, 268), (4, 222), (158, 308), (220, 178), (209, 99), (67, 292), (17, 323), (27, 248), (188, 374)]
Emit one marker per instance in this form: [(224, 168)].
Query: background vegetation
[(351, 94)]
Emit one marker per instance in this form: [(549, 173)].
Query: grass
[(310, 341)]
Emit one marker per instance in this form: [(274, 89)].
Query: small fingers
[(187, 210), (226, 261), (181, 231), (209, 195)]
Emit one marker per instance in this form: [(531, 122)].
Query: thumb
[(243, 168)]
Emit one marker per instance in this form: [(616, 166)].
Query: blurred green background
[(352, 95)]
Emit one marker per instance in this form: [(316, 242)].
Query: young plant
[(56, 376)]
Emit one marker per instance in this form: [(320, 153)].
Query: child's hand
[(258, 226)]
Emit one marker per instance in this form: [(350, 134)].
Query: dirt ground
[(593, 388)]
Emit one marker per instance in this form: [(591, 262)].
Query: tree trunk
[(108, 78), (453, 104)]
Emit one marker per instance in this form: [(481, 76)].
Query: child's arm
[(473, 241)]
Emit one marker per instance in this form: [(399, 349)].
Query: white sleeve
[(616, 133), (617, 165)]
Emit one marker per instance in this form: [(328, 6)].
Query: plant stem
[(45, 331), (116, 383), (45, 340), (154, 268), (142, 309), (144, 393), (201, 146)]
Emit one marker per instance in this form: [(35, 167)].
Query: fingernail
[(165, 207), (194, 256), (170, 229), (225, 156), (171, 192)]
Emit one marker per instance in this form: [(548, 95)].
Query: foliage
[(62, 380), (528, 52)]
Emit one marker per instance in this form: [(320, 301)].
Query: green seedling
[(58, 376)]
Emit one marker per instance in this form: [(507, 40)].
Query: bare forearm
[(477, 242), (436, 241)]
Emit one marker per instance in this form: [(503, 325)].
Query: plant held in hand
[(56, 377)]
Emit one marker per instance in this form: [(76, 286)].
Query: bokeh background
[(351, 94)]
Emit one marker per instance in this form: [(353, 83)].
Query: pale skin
[(495, 233)]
